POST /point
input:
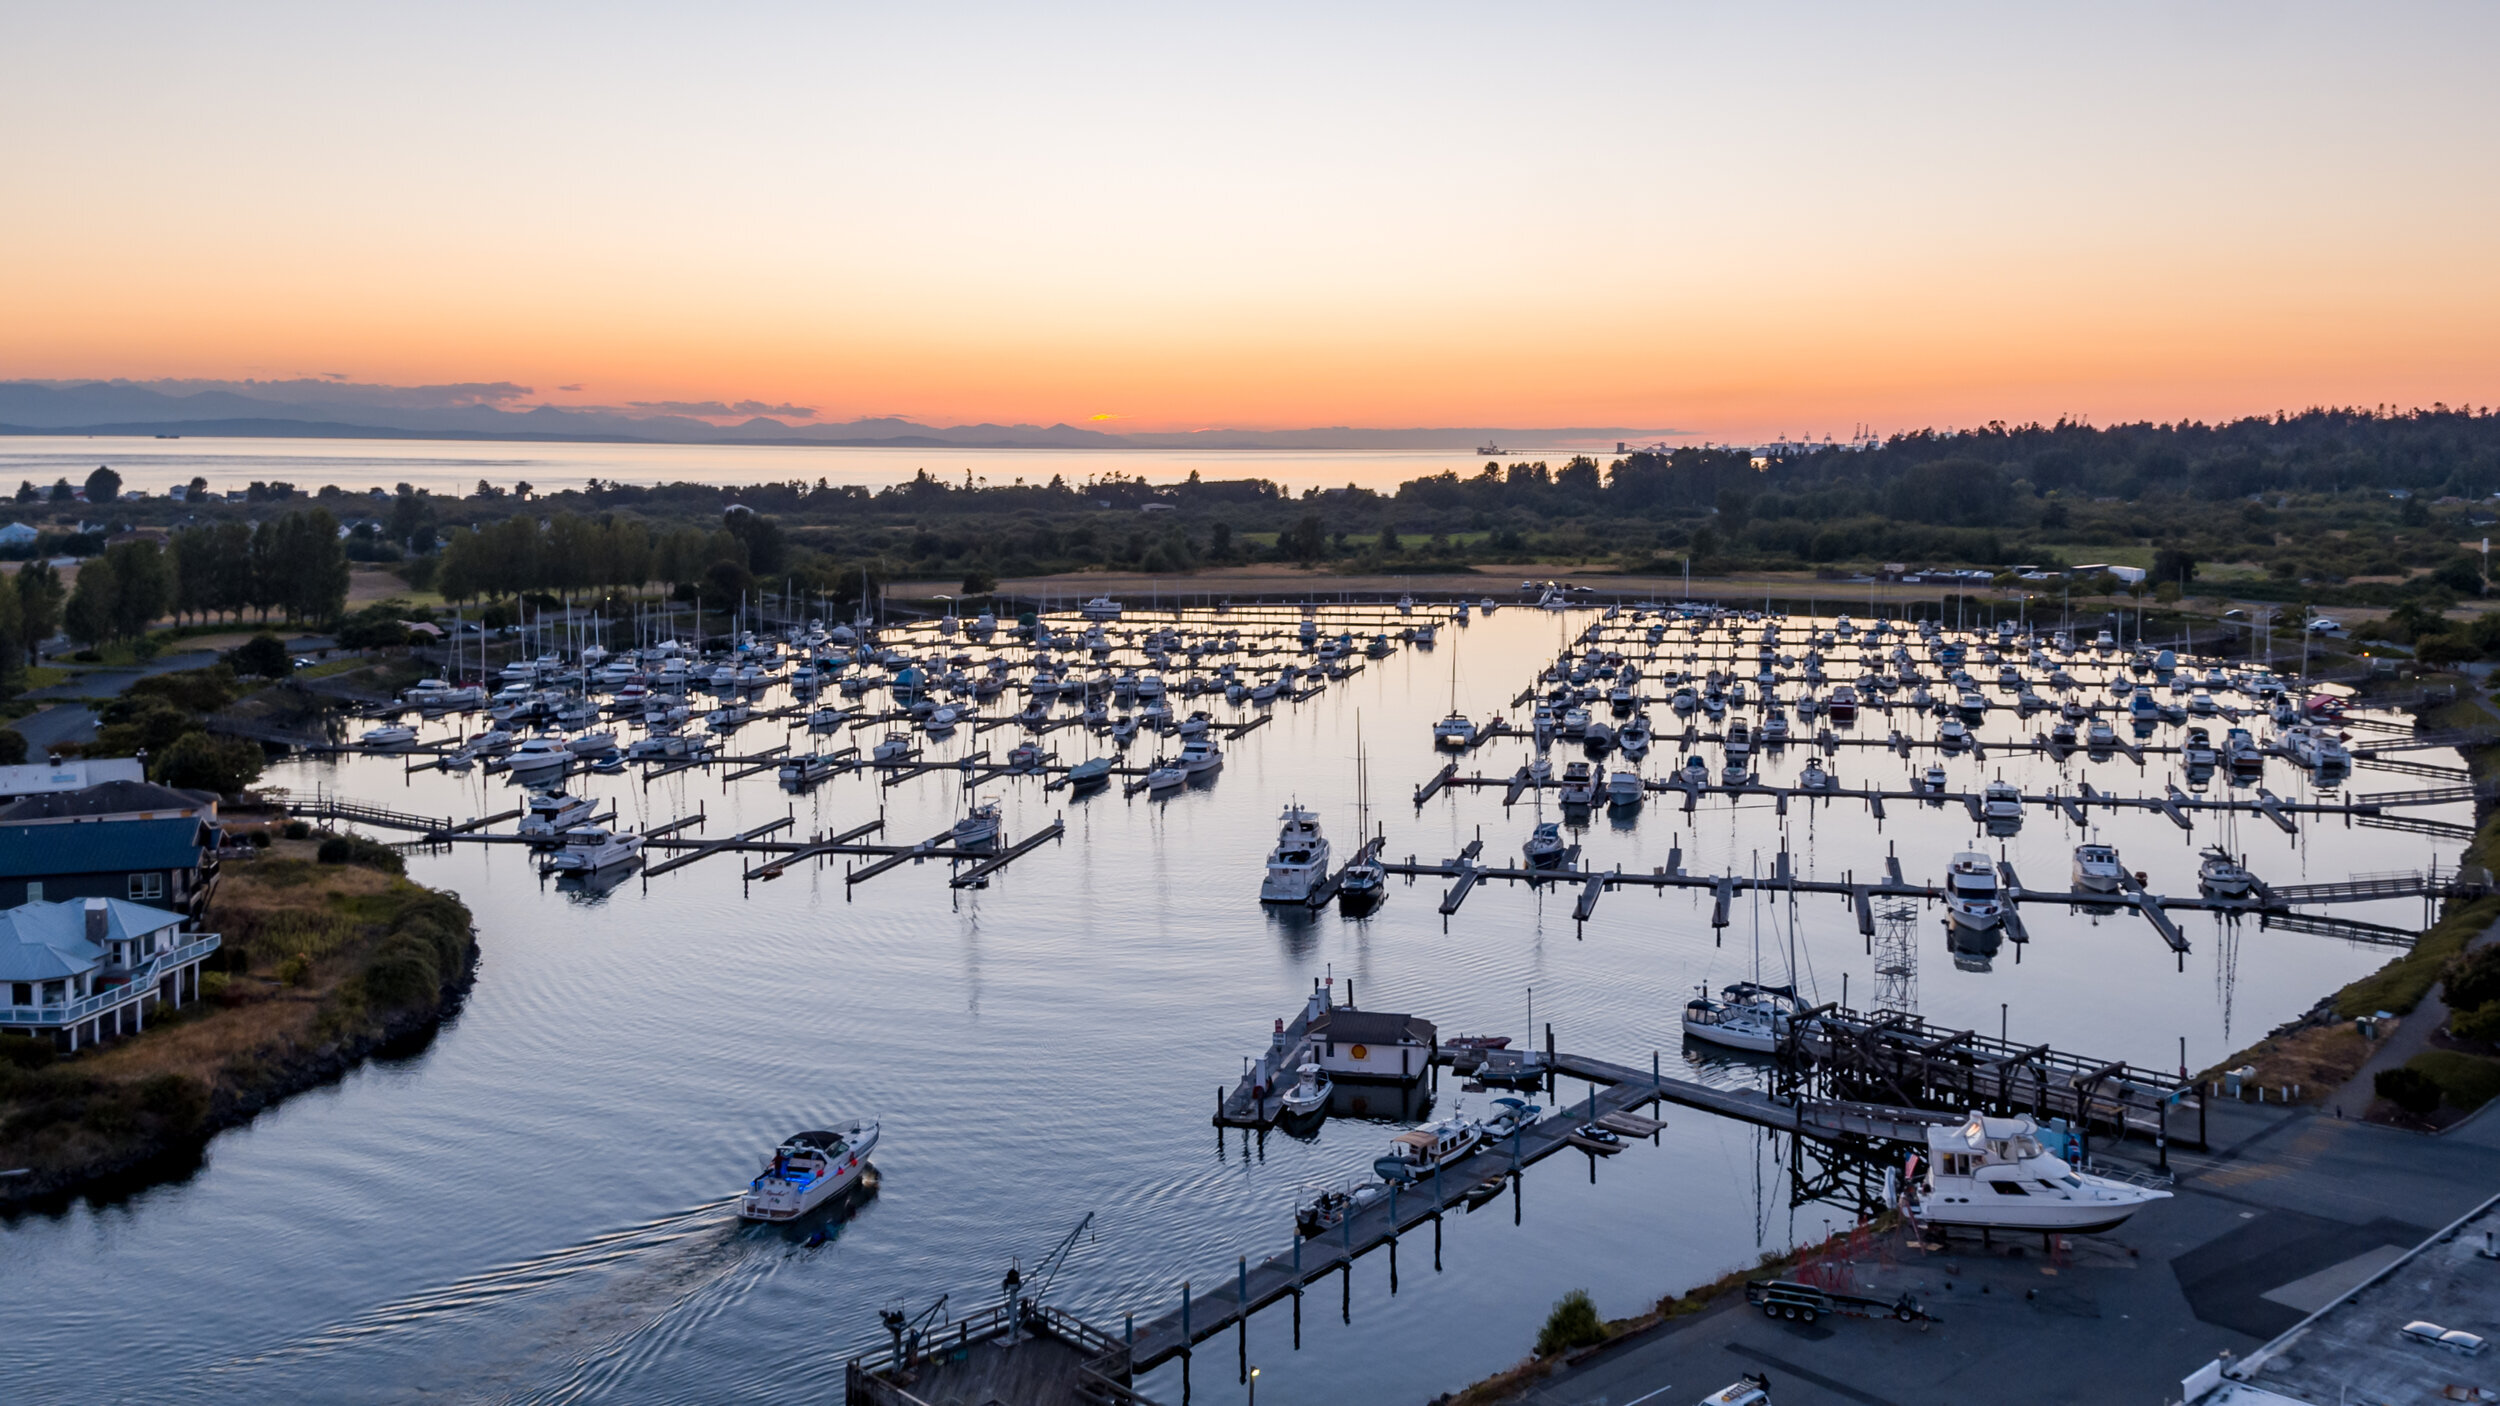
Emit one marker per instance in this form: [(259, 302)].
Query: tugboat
[(807, 1170)]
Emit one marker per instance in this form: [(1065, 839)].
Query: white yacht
[(1993, 1174), (1453, 731), (1623, 790), (590, 848), (1309, 1096), (2097, 869), (388, 736), (1745, 1016), (807, 1170), (1971, 897), (1200, 754), (1299, 863), (1100, 608), (2222, 875), (551, 815), (2001, 804)]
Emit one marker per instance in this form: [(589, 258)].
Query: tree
[(2461, 573), (263, 654), (104, 485), (2176, 565), (1389, 544), (39, 597), (1573, 1323), (62, 492), (144, 583), (197, 489), (1304, 541), (88, 618), (199, 762), (27, 492)]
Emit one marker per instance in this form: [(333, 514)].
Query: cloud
[(716, 410), (1106, 416), (328, 388), (568, 388)]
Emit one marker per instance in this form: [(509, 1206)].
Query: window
[(21, 993), (34, 890), (147, 886), (2007, 1188)]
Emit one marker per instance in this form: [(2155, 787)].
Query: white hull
[(1292, 883), (771, 1198)]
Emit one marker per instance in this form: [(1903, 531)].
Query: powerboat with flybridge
[(1971, 897), (552, 814), (1992, 1174), (591, 848), (2097, 869), (807, 1170), (1299, 863)]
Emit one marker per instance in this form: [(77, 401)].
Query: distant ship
[(1489, 451)]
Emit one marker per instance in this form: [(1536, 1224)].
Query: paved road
[(62, 722), (2412, 1036), (2292, 1208), (109, 683)]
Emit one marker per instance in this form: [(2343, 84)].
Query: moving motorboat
[(1993, 1174), (807, 1170), (1299, 863)]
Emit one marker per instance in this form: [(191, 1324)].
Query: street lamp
[(1254, 1386)]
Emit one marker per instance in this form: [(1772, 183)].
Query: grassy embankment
[(324, 964), (2326, 1049)]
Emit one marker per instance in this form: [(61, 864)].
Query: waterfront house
[(124, 840), (18, 535), (82, 971)]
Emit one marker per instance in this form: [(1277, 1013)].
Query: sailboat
[(1362, 883)]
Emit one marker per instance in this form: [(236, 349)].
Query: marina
[(1785, 876)]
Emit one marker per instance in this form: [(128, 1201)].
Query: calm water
[(537, 1207), (455, 466)]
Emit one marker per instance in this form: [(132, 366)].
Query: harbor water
[(537, 1205)]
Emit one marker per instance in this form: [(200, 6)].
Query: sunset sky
[(1735, 220)]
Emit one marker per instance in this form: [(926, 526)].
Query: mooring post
[(1241, 1285), (1297, 1262), (1184, 1318), (1393, 1217), (1128, 1331)]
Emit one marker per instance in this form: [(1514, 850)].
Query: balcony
[(142, 984)]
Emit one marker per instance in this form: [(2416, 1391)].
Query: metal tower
[(1896, 959)]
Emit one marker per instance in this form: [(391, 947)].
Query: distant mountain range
[(337, 409)]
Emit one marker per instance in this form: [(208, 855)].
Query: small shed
[(1373, 1046)]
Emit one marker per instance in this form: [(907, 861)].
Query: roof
[(117, 797), (48, 941), (18, 781), (1348, 1026), (32, 851)]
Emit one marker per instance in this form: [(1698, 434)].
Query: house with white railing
[(83, 971)]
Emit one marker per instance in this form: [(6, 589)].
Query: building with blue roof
[(167, 859), (82, 971)]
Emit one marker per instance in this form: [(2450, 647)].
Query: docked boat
[(2097, 869), (1326, 1209), (1093, 771), (806, 1171), (1199, 755), (1418, 1151), (2001, 806), (551, 815), (1744, 1016), (1814, 777), (1545, 847), (1992, 1174), (806, 769), (1100, 608), (394, 736), (591, 848), (979, 826), (2222, 875), (1310, 1096), (1971, 896), (1579, 785), (895, 748), (1299, 863), (1624, 791), (1453, 731)]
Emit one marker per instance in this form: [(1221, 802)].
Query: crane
[(1057, 1257), (908, 1328)]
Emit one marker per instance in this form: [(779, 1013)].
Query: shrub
[(263, 654), (204, 763), (2462, 1080), (177, 1102), (1573, 1323), (25, 1052), (297, 829), (297, 970), (2481, 1024), (2473, 980), (12, 747), (2407, 1088), (403, 973), (356, 849)]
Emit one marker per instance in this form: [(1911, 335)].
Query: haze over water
[(537, 1206)]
